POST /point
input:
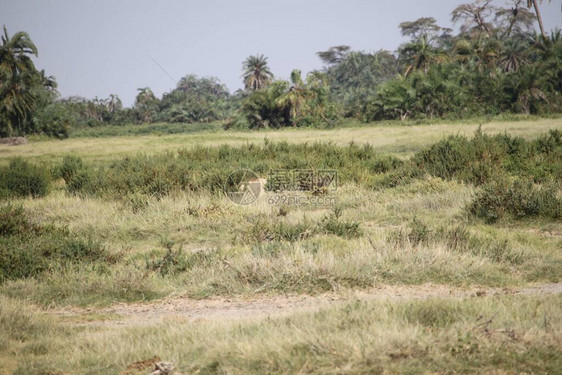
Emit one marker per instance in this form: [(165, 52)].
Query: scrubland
[(88, 224)]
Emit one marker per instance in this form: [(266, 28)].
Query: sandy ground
[(184, 309)]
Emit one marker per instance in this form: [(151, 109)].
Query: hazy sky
[(95, 48)]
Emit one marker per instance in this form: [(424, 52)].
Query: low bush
[(416, 233), (264, 229), (479, 159), (13, 220), (332, 224), (70, 166), (22, 179), (518, 199), (208, 168), (176, 261), (458, 239)]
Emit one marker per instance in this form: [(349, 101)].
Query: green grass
[(124, 240), (307, 254), (511, 334), (394, 139)]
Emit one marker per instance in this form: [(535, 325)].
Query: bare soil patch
[(180, 309)]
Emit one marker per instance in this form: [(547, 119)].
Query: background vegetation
[(495, 64)]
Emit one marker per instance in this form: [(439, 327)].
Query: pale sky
[(97, 48)]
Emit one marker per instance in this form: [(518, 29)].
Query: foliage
[(297, 103), (157, 128), (193, 100), (481, 158), (207, 168), (146, 105), (518, 199), (70, 167), (495, 64), (55, 120), (21, 179), (256, 74), (96, 112), (23, 88), (355, 76), (27, 249)]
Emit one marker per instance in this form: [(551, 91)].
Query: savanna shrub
[(332, 224), (176, 261), (458, 157), (264, 229), (208, 168), (13, 220), (21, 178), (70, 166), (480, 159), (415, 234), (519, 199)]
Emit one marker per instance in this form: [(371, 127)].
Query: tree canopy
[(495, 63)]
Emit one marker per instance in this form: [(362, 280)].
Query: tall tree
[(425, 27), (18, 77), (475, 17), (296, 98), (114, 103), (334, 55), (535, 4), (420, 55), (256, 72), (146, 105)]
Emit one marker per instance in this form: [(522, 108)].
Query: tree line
[(495, 63)]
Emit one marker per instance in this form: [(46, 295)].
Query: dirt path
[(184, 309)]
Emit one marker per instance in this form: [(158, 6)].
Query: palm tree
[(296, 98), (144, 96), (256, 72), (421, 55), (113, 103), (146, 104), (17, 78), (513, 54), (535, 4)]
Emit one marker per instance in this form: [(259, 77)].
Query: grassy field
[(395, 273), (393, 139)]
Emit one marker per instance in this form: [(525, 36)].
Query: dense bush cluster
[(507, 167), (518, 199), (519, 178), (207, 168), (21, 178), (483, 157), (297, 103)]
